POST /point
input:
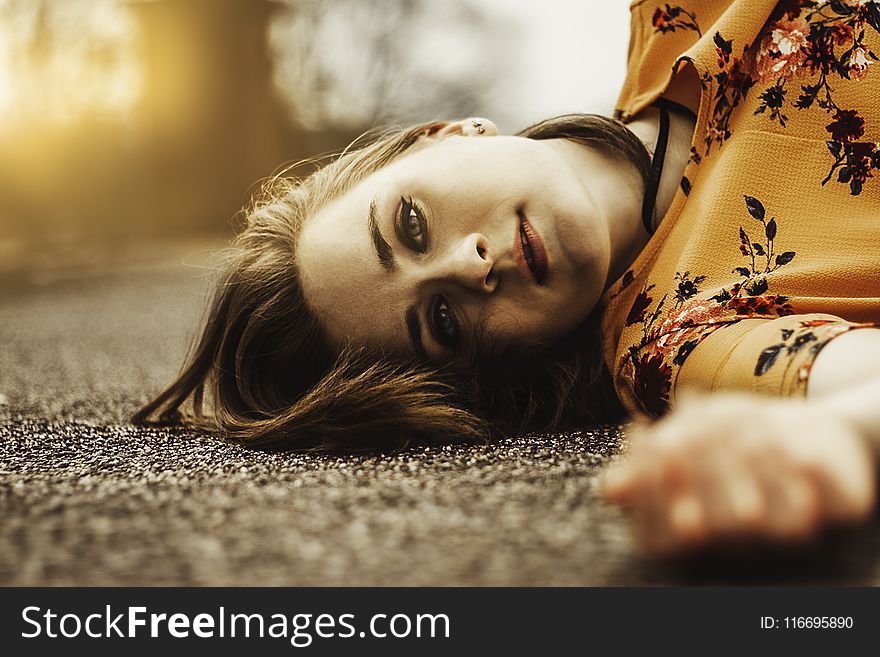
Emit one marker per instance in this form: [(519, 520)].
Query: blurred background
[(129, 128)]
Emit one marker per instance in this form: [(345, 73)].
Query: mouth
[(529, 251)]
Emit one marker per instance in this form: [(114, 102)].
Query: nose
[(471, 264)]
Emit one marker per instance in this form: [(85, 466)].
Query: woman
[(445, 279)]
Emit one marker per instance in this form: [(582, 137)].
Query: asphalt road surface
[(88, 499)]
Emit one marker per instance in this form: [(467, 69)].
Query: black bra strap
[(672, 106), (650, 200)]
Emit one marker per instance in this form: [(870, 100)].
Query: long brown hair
[(273, 381)]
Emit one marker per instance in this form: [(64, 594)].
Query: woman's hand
[(734, 467)]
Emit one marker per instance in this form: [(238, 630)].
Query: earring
[(478, 126)]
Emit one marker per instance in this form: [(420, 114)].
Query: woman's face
[(467, 231)]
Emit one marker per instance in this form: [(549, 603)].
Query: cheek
[(581, 231)]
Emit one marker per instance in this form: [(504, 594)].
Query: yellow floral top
[(772, 244)]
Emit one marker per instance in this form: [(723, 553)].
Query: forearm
[(845, 380), (858, 405)]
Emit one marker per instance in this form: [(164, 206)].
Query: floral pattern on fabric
[(813, 45), (732, 85), (810, 336), (675, 17), (816, 44), (793, 340), (671, 330)]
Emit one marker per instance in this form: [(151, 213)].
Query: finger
[(621, 480), (793, 501), (619, 483), (687, 519), (737, 506), (845, 476), (650, 513), (670, 510), (735, 503)]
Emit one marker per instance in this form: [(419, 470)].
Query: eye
[(411, 226), (444, 324)]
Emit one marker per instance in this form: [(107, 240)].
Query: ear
[(470, 127)]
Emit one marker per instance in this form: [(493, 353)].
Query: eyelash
[(444, 338), (418, 243)]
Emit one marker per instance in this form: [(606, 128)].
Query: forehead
[(343, 282)]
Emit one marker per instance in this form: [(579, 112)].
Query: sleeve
[(659, 34), (764, 356)]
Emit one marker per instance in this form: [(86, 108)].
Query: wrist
[(858, 408)]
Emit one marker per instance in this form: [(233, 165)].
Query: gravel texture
[(88, 499)]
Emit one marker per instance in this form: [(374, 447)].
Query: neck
[(618, 189), (631, 234), (681, 129)]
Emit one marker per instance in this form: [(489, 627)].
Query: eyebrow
[(414, 328), (385, 254), (383, 249)]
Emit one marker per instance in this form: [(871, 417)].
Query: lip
[(538, 273)]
